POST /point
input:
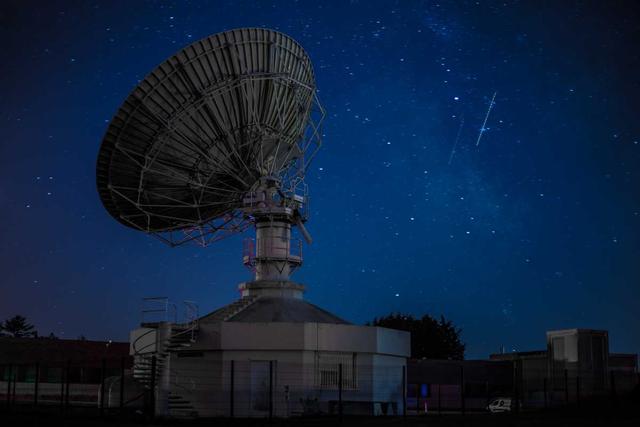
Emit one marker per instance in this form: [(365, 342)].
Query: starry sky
[(535, 228)]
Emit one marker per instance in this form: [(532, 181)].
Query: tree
[(430, 338), (18, 327)]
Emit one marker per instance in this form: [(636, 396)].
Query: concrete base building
[(271, 353)]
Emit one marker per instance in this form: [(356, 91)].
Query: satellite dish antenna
[(215, 139)]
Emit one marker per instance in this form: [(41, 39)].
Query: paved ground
[(522, 420), (594, 414)]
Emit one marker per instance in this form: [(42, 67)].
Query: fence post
[(9, 374), (340, 392), (546, 399), (36, 385), (66, 394), (566, 386), (404, 392), (15, 380), (614, 394), (152, 389), (270, 390), (62, 382), (102, 378), (578, 390), (439, 400), (121, 384), (232, 390), (516, 386), (462, 398), (486, 392)]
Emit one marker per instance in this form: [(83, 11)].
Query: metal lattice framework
[(198, 133)]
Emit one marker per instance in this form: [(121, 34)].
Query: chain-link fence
[(68, 386), (269, 388), (193, 386), (524, 390)]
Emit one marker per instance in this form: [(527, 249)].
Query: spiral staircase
[(151, 347)]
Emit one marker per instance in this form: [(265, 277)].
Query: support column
[(163, 369)]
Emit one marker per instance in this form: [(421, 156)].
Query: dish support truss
[(253, 152)]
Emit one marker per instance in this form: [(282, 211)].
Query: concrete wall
[(302, 336), (205, 381), (202, 374)]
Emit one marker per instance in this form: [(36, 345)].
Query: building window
[(558, 348), (328, 370)]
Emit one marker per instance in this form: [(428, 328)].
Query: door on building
[(262, 386)]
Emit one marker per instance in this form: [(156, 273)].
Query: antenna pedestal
[(273, 255), (271, 288)]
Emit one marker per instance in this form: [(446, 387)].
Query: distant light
[(455, 98), (320, 169), (397, 295), (412, 218)]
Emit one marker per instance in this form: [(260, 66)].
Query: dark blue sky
[(536, 228)]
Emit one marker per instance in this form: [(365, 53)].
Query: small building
[(575, 365), (52, 361), (270, 353), (83, 358)]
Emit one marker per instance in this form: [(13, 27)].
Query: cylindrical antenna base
[(271, 288)]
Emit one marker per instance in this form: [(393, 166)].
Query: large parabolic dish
[(201, 130)]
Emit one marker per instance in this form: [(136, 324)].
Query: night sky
[(536, 228)]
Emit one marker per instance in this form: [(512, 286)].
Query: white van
[(500, 404)]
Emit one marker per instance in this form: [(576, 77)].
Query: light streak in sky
[(455, 144), (483, 128)]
